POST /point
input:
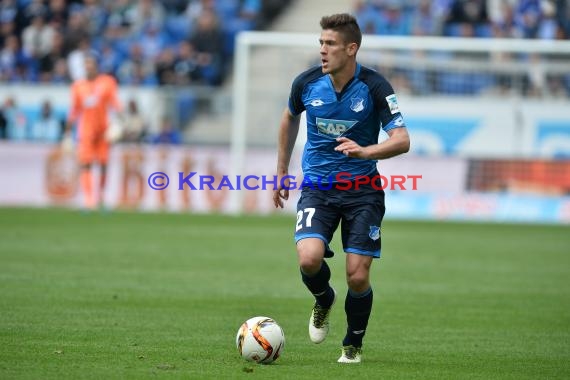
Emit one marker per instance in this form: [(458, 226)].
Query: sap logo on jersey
[(333, 128)]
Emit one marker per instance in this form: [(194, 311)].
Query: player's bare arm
[(398, 142), (288, 130)]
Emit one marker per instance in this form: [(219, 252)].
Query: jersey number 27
[(310, 211)]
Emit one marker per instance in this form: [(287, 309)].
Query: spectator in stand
[(32, 9), (168, 134), (148, 12), (548, 25), (465, 14), (9, 55), (110, 60), (7, 29), (390, 17), (527, 17), (60, 73), (122, 12), (48, 127), (38, 38), (366, 16), (135, 69), (186, 67), (9, 15), (75, 30), (115, 45), (563, 17), (119, 23), (165, 67), (196, 8), (393, 20), (13, 61), (57, 14), (207, 40), (143, 76), (472, 12), (48, 61), (96, 17), (17, 123), (134, 125), (440, 10), (503, 20), (152, 41), (423, 20)]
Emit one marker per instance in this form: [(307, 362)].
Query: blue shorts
[(359, 211)]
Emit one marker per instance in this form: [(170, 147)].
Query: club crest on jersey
[(356, 104), (317, 103), (333, 128), (374, 232), (393, 104)]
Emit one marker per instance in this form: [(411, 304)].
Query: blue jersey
[(365, 104)]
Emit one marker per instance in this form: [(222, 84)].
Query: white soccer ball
[(260, 340)]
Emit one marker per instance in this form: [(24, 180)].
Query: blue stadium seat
[(463, 83), (227, 9), (483, 31), (186, 106), (452, 30), (178, 27)]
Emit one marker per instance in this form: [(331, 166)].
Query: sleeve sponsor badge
[(393, 104)]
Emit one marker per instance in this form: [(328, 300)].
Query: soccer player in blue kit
[(346, 104)]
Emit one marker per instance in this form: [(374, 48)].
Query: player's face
[(334, 52), (90, 67)]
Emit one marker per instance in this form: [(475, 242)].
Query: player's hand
[(349, 148), (282, 191)]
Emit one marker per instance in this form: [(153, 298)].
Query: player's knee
[(357, 281), (310, 264), (310, 253), (309, 261)]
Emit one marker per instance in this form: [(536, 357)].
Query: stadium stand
[(140, 42), (190, 44), (146, 43), (173, 42)]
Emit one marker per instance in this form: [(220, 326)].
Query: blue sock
[(357, 307), (318, 285)]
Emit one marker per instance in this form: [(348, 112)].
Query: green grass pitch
[(132, 295)]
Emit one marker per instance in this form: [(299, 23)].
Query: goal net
[(480, 112)]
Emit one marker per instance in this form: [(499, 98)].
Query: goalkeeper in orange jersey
[(91, 100)]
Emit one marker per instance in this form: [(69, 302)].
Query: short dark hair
[(345, 24)]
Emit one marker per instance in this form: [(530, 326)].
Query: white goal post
[(281, 56)]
